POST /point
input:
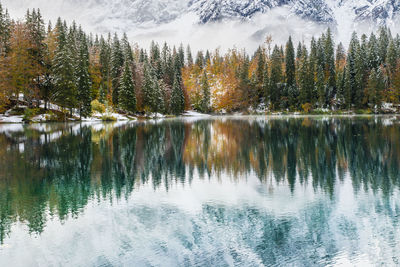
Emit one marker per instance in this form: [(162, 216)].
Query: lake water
[(249, 191)]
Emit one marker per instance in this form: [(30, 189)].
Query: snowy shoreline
[(18, 119)]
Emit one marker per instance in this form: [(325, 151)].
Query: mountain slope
[(218, 23)]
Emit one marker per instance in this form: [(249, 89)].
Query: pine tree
[(127, 94), (117, 62), (395, 87), (330, 74), (205, 88), (265, 86), (305, 77), (373, 55), (392, 56), (207, 58), (64, 70), (290, 64), (105, 62), (375, 89), (340, 56), (159, 100), (102, 94), (298, 51), (126, 49), (189, 56), (275, 80), (181, 55), (244, 85), (341, 88), (200, 62), (320, 87), (351, 86), (148, 88), (177, 96), (260, 73), (83, 79), (383, 44), (5, 31)]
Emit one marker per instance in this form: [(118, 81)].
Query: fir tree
[(351, 86), (126, 49), (5, 31), (102, 94), (290, 64), (105, 62), (375, 88), (205, 88), (177, 96), (373, 55), (64, 70), (181, 55), (275, 80), (341, 88), (189, 56), (83, 80), (159, 100), (265, 85), (260, 72), (330, 74), (127, 94), (117, 61), (320, 87), (392, 56), (148, 88), (383, 44), (340, 56), (200, 62)]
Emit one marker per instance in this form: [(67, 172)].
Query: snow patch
[(11, 119), (192, 113)]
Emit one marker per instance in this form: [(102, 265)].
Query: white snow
[(11, 119), (192, 113), (154, 115)]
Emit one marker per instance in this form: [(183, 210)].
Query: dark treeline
[(66, 66), (61, 170)]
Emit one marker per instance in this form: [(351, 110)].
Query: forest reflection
[(56, 169)]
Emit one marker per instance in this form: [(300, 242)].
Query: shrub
[(108, 118), (97, 106), (306, 107), (29, 113), (363, 111)]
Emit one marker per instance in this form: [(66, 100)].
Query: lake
[(218, 191)]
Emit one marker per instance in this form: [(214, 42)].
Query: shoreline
[(198, 116)]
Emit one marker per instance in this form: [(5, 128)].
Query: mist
[(248, 34)]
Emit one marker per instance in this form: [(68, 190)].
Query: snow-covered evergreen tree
[(117, 62), (64, 70), (206, 97), (83, 79), (127, 93), (177, 97)]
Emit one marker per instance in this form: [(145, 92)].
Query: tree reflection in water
[(55, 170)]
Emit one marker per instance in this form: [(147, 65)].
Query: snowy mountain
[(143, 13), (378, 11), (215, 23)]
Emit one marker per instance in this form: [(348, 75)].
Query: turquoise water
[(249, 191)]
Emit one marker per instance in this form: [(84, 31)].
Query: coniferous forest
[(60, 64)]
